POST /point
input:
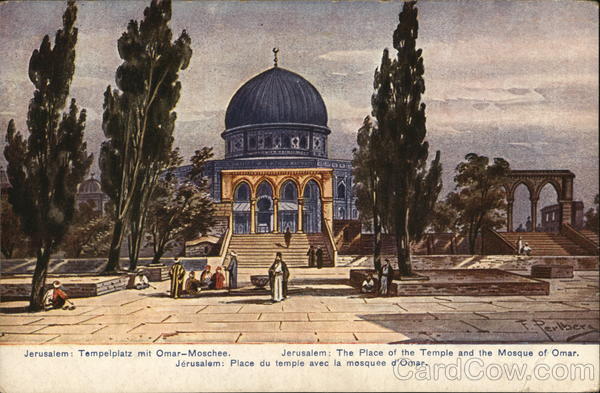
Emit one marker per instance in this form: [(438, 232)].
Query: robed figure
[(319, 254), (177, 274), (218, 279), (55, 297), (232, 268), (312, 256), (278, 278), (386, 276)]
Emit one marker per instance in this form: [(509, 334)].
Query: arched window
[(341, 191), (242, 193), (289, 192)]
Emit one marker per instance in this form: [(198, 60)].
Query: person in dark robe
[(385, 277), (232, 268), (218, 279), (55, 297), (177, 274), (206, 277), (319, 255), (192, 285), (279, 275), (312, 256), (528, 225), (287, 237)]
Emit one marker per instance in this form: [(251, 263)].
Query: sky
[(511, 79)]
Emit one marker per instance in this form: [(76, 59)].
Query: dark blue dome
[(276, 96)]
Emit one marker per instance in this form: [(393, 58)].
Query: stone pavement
[(321, 308)]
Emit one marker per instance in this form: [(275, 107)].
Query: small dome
[(276, 96), (90, 186)]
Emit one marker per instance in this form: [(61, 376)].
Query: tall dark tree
[(366, 183), (138, 121), (479, 197), (12, 239), (180, 209), (411, 187), (45, 169)]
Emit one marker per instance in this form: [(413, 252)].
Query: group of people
[(385, 274), (315, 257), (208, 280), (523, 248)]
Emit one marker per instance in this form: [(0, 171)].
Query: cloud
[(353, 56)]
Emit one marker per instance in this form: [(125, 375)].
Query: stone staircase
[(545, 243), (258, 250), (593, 236)]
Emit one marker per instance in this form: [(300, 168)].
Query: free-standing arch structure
[(535, 180)]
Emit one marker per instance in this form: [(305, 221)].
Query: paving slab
[(594, 306), (260, 308), (456, 315), (423, 307), (68, 329), (333, 316), (482, 337), (200, 338), (536, 306), (383, 337), (278, 337), (63, 320), (23, 329), (9, 338), (12, 320), (283, 316), (220, 317), (541, 315), (335, 338), (334, 326), (228, 309), (362, 307)]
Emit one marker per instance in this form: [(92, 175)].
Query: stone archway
[(535, 180)]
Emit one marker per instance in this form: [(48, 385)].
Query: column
[(275, 215), (300, 215), (533, 214), (252, 215), (566, 211), (509, 215)]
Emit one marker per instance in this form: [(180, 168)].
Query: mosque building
[(276, 175)]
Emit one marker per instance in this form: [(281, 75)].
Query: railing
[(225, 245), (578, 238), (331, 248), (494, 243)]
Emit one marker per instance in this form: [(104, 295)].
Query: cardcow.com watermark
[(477, 369)]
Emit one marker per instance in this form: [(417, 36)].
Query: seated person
[(526, 249), (55, 297), (141, 280), (206, 278), (368, 286), (218, 279), (192, 286)]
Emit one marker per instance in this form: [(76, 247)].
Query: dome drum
[(276, 140)]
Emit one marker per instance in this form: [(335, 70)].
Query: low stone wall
[(461, 282), (504, 262), (90, 287), (79, 266)]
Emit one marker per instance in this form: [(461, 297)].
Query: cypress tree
[(46, 169), (139, 121)]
